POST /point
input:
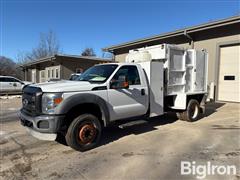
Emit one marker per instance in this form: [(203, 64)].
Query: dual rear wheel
[(192, 112)]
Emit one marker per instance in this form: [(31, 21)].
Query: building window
[(53, 73), (57, 73)]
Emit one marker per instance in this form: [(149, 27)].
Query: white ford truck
[(153, 80)]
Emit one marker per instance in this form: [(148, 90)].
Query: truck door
[(132, 101)]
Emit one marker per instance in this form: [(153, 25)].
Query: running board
[(132, 123)]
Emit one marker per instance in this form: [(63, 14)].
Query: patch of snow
[(10, 97)]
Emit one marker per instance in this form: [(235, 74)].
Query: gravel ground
[(150, 151)]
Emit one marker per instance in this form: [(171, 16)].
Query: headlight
[(50, 101)]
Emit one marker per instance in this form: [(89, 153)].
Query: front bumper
[(43, 125), (42, 136)]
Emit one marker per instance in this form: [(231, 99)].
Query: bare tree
[(9, 68), (48, 45), (21, 58), (88, 52)]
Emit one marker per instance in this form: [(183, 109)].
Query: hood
[(65, 86)]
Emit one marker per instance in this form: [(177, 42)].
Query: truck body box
[(184, 72)]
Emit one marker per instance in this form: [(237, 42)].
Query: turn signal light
[(58, 100)]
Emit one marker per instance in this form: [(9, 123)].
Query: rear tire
[(84, 132), (192, 112)]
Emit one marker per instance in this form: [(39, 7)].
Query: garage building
[(222, 41), (58, 66)]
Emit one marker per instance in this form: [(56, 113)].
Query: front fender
[(84, 98)]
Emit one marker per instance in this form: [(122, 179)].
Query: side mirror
[(121, 83)]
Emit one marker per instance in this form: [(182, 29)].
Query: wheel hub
[(87, 133)]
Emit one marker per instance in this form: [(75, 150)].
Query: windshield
[(98, 73)]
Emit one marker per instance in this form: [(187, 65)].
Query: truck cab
[(141, 87)]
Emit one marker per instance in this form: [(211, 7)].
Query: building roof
[(205, 26), (91, 58)]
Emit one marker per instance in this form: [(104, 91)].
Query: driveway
[(149, 151), (9, 106)]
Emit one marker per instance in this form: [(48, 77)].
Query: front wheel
[(84, 132), (192, 112)]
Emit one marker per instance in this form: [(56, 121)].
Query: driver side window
[(15, 80), (10, 80), (130, 72)]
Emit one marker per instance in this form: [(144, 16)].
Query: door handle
[(143, 92)]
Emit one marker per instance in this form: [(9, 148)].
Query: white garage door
[(229, 74)]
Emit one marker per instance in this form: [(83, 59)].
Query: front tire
[(192, 112), (84, 132)]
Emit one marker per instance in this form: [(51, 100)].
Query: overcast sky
[(97, 24)]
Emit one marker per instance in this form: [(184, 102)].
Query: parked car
[(11, 85), (74, 76)]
